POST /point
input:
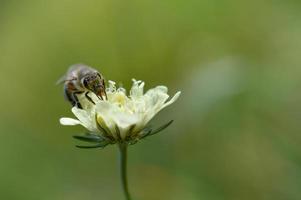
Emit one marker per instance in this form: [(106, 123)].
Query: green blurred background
[(237, 128)]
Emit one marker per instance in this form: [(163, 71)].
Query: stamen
[(135, 82), (112, 87), (121, 89)]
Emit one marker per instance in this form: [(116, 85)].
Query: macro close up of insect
[(80, 79)]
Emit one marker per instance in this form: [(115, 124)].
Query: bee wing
[(63, 79)]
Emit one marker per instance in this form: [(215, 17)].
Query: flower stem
[(123, 169)]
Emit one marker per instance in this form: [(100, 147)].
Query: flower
[(120, 117)]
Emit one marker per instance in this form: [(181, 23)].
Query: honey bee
[(81, 79)]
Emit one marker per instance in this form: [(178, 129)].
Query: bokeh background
[(237, 127)]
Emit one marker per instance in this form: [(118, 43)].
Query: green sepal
[(118, 132), (161, 128), (145, 132), (89, 137), (101, 141), (100, 145)]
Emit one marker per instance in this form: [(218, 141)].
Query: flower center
[(119, 98)]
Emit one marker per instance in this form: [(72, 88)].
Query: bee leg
[(76, 101), (89, 98), (78, 105), (70, 97), (100, 97), (106, 95), (104, 88)]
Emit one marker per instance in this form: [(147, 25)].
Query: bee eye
[(85, 82)]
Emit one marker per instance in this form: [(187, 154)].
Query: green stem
[(123, 169)]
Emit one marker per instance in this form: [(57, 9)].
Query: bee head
[(94, 83)]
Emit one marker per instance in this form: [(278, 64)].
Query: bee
[(81, 79)]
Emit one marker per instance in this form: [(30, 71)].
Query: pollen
[(119, 98)]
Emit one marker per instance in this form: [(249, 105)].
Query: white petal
[(160, 104), (161, 88), (69, 121), (114, 116), (124, 122), (156, 97), (87, 118), (173, 99), (104, 109)]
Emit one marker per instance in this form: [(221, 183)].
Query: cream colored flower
[(120, 117)]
